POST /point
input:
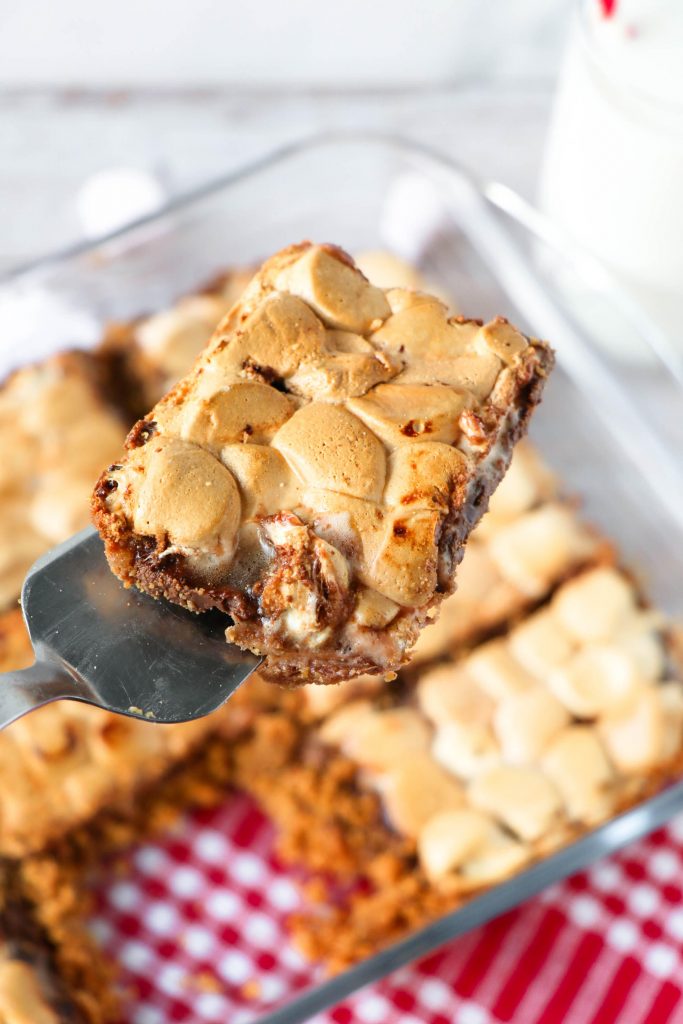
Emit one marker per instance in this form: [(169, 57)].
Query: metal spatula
[(116, 648)]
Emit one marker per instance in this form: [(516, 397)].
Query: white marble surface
[(52, 140), (355, 44)]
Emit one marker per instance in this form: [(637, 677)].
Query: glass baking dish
[(609, 425)]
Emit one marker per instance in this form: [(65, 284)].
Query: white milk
[(613, 172)]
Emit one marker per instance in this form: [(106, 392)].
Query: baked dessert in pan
[(317, 473), (496, 687), (466, 770)]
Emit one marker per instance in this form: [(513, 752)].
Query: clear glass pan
[(610, 424)]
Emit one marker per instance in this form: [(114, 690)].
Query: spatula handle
[(30, 688)]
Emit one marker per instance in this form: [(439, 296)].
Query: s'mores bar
[(317, 473)]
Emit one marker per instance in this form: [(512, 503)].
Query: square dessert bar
[(317, 473)]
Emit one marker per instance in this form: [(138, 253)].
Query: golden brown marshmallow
[(521, 797), (416, 788), (376, 739), (532, 551), (461, 714), (595, 605), (388, 410), (334, 290), (576, 762), (596, 680), (386, 270), (526, 722), (243, 411), (174, 337), (464, 846), (330, 448), (183, 493)]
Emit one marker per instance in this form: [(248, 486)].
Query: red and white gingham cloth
[(197, 922)]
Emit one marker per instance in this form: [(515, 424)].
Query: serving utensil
[(100, 642)]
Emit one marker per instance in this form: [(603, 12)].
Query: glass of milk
[(613, 169)]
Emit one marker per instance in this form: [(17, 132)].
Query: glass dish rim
[(502, 197), (627, 826)]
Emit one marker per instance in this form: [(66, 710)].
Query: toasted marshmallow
[(422, 476), (497, 671), (466, 750), (526, 722), (340, 295), (275, 338), (184, 494), (244, 411), (307, 373), (330, 448), (263, 476), (389, 411), (540, 643), (576, 762), (175, 337), (596, 680), (635, 733), (396, 572), (420, 327), (451, 838), (446, 692), (387, 270), (534, 550), (461, 713), (501, 338), (414, 789), (522, 798), (465, 846), (595, 605), (377, 740)]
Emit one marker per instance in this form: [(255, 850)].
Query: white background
[(188, 89)]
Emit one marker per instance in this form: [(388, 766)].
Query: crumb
[(251, 989)]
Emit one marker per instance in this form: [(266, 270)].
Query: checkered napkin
[(197, 922)]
